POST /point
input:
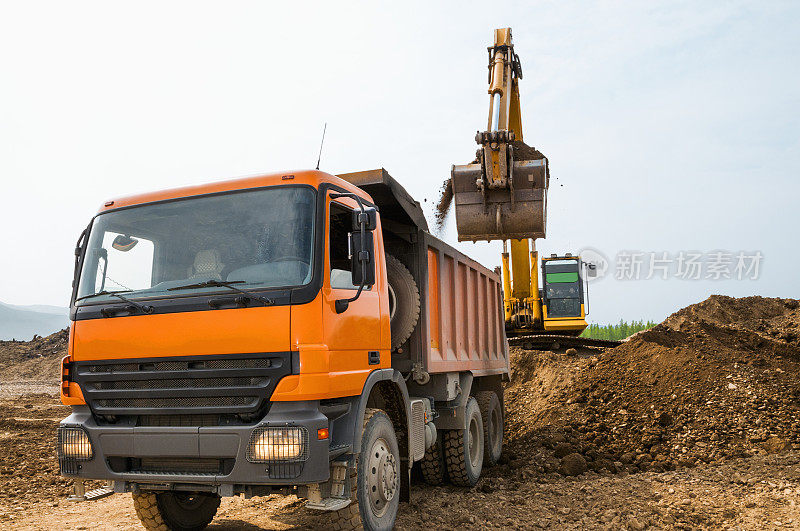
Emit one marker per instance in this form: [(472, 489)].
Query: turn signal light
[(65, 376), (322, 433)]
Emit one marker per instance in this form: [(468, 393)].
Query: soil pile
[(37, 359), (716, 380)]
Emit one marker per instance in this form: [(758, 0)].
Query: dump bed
[(461, 325)]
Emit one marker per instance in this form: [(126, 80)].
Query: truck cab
[(262, 335)]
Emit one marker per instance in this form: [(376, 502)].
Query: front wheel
[(376, 483), (176, 511)]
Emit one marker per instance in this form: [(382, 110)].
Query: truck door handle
[(374, 357)]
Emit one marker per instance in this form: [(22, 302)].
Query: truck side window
[(341, 224)]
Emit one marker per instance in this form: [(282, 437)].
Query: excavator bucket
[(515, 211)]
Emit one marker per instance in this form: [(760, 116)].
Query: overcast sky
[(670, 126)]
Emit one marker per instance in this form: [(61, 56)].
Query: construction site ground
[(692, 424)]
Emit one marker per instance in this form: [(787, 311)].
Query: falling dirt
[(443, 206), (692, 424)]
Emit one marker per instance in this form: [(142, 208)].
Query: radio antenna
[(322, 142)]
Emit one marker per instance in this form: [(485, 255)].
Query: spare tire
[(403, 301)]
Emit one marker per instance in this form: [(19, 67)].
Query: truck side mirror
[(362, 248), (362, 251), (591, 270), (369, 217)]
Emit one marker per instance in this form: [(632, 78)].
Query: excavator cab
[(564, 294)]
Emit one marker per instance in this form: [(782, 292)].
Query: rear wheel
[(376, 483), (175, 511), (492, 417), (463, 449), (433, 465)]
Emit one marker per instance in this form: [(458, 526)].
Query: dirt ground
[(691, 425)]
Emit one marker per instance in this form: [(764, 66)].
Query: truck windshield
[(258, 239)]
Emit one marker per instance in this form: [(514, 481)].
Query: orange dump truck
[(296, 333)]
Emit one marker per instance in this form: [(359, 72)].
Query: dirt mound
[(716, 380), (770, 318), (37, 359)]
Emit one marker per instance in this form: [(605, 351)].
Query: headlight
[(73, 446), (74, 443), (270, 445)]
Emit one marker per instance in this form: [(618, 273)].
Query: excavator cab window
[(563, 291)]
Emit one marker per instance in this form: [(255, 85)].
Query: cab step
[(339, 490), (94, 494)]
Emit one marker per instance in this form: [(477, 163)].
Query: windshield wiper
[(221, 284), (141, 307), (103, 292)]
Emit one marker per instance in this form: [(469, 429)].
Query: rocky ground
[(692, 424)]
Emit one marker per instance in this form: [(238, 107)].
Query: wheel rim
[(392, 303), (382, 477), (474, 441)]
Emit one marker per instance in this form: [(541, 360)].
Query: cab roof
[(309, 177)]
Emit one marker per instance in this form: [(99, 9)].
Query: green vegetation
[(617, 331)]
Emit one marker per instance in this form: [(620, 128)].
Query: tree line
[(617, 331)]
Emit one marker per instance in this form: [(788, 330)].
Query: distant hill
[(23, 322)]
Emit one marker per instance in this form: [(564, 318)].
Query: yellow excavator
[(502, 195)]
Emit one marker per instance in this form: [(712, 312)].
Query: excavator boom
[(502, 195)]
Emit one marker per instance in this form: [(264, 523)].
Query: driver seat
[(207, 265)]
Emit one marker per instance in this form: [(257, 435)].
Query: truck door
[(354, 336)]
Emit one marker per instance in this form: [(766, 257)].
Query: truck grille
[(184, 466), (208, 385), (171, 466)]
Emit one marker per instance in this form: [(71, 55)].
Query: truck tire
[(403, 301), (175, 511), (375, 481), (492, 417), (463, 449), (432, 465)]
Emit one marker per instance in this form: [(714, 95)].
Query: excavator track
[(555, 342)]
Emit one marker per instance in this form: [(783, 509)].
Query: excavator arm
[(502, 194)]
